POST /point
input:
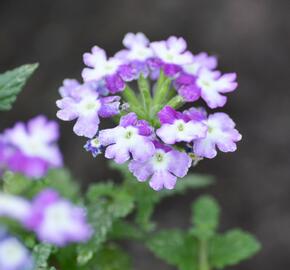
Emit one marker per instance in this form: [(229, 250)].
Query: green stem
[(203, 255), (130, 97), (161, 92), (176, 102), (144, 89)]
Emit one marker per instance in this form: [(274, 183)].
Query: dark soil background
[(250, 37)]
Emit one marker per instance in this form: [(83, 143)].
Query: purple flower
[(69, 85), (102, 68), (172, 51), (212, 84), (86, 105), (187, 88), (94, 146), (132, 136), (14, 207), (56, 220), (13, 255), (221, 134), (31, 149), (133, 70), (179, 127), (137, 48), (200, 61), (162, 168)]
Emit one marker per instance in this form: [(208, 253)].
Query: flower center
[(159, 157), (128, 134), (169, 56), (210, 129), (180, 127), (95, 143)]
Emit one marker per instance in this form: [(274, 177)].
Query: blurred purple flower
[(14, 255), (56, 220), (31, 149)]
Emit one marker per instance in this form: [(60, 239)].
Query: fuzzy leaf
[(107, 203), (125, 230), (112, 257), (101, 220), (41, 254), (205, 217), (11, 83), (231, 248), (62, 181), (15, 183), (175, 247)]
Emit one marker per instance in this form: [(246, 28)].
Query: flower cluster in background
[(31, 148), (159, 138), (53, 219)]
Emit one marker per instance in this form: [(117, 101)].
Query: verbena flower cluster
[(159, 138), (30, 148), (53, 219)]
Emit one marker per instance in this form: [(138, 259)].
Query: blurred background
[(250, 37)]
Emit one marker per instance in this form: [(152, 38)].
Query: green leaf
[(205, 217), (62, 181), (231, 248), (107, 203), (119, 202), (191, 181), (101, 220), (15, 183), (41, 254), (112, 257), (11, 83), (175, 247), (125, 230)]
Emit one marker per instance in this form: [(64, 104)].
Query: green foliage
[(41, 254), (146, 199), (106, 204), (11, 83), (175, 247), (205, 217), (201, 248), (122, 229), (58, 179), (231, 248), (111, 257)]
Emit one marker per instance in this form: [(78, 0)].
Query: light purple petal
[(110, 106), (129, 119), (141, 170), (143, 149), (67, 110), (190, 93), (115, 83), (162, 179), (119, 153), (179, 163), (87, 126), (167, 115)]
